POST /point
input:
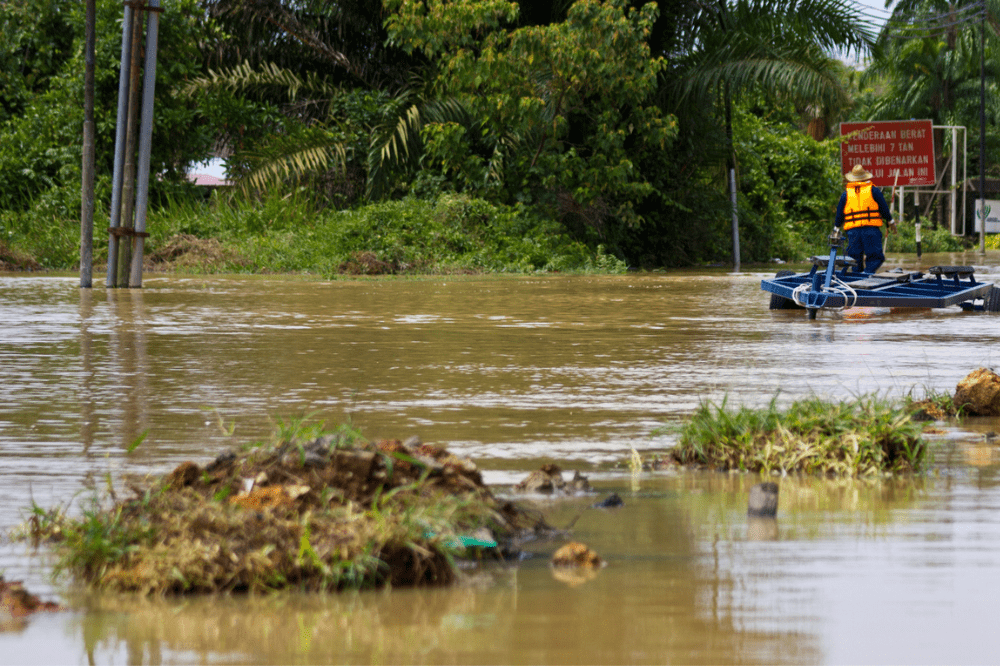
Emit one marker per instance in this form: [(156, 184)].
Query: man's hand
[(892, 227)]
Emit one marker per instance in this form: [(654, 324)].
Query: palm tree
[(783, 50), (381, 145), (930, 54), (314, 59)]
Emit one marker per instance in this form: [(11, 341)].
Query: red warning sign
[(886, 147)]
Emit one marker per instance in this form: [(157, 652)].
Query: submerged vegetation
[(860, 437), (329, 510), (313, 511)]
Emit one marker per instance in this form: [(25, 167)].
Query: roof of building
[(207, 180)]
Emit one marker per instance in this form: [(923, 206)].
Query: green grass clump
[(860, 437)]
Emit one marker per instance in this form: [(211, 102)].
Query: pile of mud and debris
[(331, 512), (976, 394), (16, 604), (185, 252)]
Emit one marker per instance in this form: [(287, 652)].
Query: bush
[(789, 187), (931, 240), (288, 233)]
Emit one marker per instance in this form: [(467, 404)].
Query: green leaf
[(138, 440)]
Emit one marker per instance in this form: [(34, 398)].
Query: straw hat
[(857, 174)]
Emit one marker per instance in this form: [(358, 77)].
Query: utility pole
[(130, 182), (87, 186), (145, 142), (982, 129)]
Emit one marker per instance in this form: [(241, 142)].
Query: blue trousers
[(864, 245)]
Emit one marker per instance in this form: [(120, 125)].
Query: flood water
[(513, 372)]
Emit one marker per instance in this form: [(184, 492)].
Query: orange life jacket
[(861, 209)]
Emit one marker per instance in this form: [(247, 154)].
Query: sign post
[(889, 147)]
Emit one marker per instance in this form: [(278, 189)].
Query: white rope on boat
[(837, 286)]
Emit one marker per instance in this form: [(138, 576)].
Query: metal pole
[(982, 129), (131, 135), (732, 176), (965, 178), (145, 142), (954, 178), (736, 221), (116, 178), (87, 184)]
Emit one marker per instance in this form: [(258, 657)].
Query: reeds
[(860, 437)]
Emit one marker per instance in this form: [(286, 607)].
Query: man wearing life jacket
[(860, 212)]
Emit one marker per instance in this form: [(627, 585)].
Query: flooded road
[(512, 372)]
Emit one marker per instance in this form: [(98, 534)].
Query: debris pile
[(322, 513), (576, 554), (548, 480), (16, 603), (575, 564), (978, 393)]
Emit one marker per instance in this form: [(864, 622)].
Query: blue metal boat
[(833, 284)]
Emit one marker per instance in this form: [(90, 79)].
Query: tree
[(40, 148), (561, 109), (30, 57), (778, 49), (930, 64)]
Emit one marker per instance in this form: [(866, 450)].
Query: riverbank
[(225, 234)]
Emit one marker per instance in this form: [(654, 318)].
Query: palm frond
[(396, 144), (269, 76), (292, 157)]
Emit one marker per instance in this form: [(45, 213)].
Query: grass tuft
[(861, 437)]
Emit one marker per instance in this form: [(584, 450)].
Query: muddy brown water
[(513, 372)]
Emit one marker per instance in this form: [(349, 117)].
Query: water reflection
[(688, 580)]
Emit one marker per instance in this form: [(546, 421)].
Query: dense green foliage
[(453, 234), (586, 124), (932, 239), (931, 69)]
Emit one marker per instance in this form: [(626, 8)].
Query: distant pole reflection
[(88, 415), (129, 362)]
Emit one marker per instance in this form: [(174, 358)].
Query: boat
[(834, 284)]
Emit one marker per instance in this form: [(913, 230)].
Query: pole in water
[(763, 500), (736, 221), (116, 179), (916, 226), (87, 184), (145, 144)]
